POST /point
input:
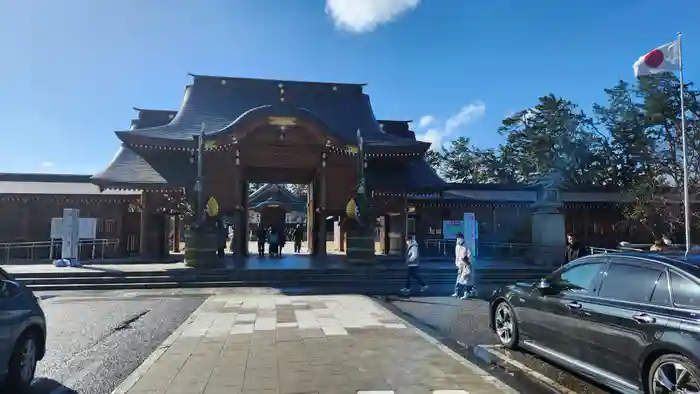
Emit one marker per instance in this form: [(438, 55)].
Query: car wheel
[(22, 366), (506, 325), (673, 373)]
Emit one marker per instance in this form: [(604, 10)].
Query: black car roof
[(690, 264)]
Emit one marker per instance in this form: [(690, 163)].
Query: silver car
[(22, 334)]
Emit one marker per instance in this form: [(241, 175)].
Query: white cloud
[(363, 16), (426, 121), (437, 135), (47, 164)]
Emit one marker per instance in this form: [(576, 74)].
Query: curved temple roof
[(130, 170), (221, 102)]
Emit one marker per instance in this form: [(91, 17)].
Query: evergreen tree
[(552, 136)]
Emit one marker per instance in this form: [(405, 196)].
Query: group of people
[(276, 239), (463, 260)]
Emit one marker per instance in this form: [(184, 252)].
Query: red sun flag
[(666, 58)]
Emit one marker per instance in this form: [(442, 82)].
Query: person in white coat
[(463, 261)]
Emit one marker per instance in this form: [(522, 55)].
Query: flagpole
[(686, 199)]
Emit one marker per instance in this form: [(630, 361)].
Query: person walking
[(261, 235), (463, 261), (298, 237), (273, 239), (412, 263)]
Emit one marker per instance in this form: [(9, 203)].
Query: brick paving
[(265, 344)]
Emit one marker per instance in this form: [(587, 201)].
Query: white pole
[(686, 199)]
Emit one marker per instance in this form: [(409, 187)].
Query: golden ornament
[(351, 209), (212, 207)]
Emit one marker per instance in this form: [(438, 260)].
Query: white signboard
[(471, 232), (87, 228), (56, 228), (69, 236)]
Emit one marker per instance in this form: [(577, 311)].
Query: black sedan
[(630, 321)]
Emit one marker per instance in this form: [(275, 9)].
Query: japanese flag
[(666, 58)]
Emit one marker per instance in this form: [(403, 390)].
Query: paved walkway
[(255, 344)]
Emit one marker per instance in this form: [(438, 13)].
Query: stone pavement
[(255, 344)]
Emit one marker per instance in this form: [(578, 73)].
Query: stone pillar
[(548, 226), (177, 228), (143, 227)]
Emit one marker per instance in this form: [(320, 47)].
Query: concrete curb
[(142, 369), (475, 369)]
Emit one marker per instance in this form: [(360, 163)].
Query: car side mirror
[(544, 286), (8, 289)]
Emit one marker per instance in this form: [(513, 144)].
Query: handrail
[(91, 249), (485, 249)]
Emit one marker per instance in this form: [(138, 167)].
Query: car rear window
[(686, 293), (628, 282)]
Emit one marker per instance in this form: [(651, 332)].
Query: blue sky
[(72, 70)]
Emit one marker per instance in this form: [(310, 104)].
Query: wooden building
[(274, 205), (272, 131), (28, 202), (257, 130)]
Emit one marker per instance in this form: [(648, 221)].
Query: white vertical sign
[(69, 235), (471, 232)]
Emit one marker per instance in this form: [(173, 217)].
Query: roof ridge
[(275, 80)]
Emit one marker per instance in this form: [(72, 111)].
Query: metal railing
[(88, 249), (489, 250)]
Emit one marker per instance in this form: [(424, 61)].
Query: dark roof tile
[(413, 176), (220, 103)]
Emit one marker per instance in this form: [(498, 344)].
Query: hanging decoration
[(212, 207), (352, 210)]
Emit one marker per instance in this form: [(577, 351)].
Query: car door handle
[(643, 318), (574, 305)]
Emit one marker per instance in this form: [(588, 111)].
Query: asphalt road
[(95, 340), (466, 324)]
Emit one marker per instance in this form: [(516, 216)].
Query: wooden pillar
[(384, 234), (240, 212), (143, 227), (311, 217), (176, 233), (244, 214), (421, 228), (322, 230), (165, 235)]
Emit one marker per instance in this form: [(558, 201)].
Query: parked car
[(22, 334), (628, 320)]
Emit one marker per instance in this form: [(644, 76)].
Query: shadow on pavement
[(520, 383), (49, 386)]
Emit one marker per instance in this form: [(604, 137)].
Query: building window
[(411, 225)]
